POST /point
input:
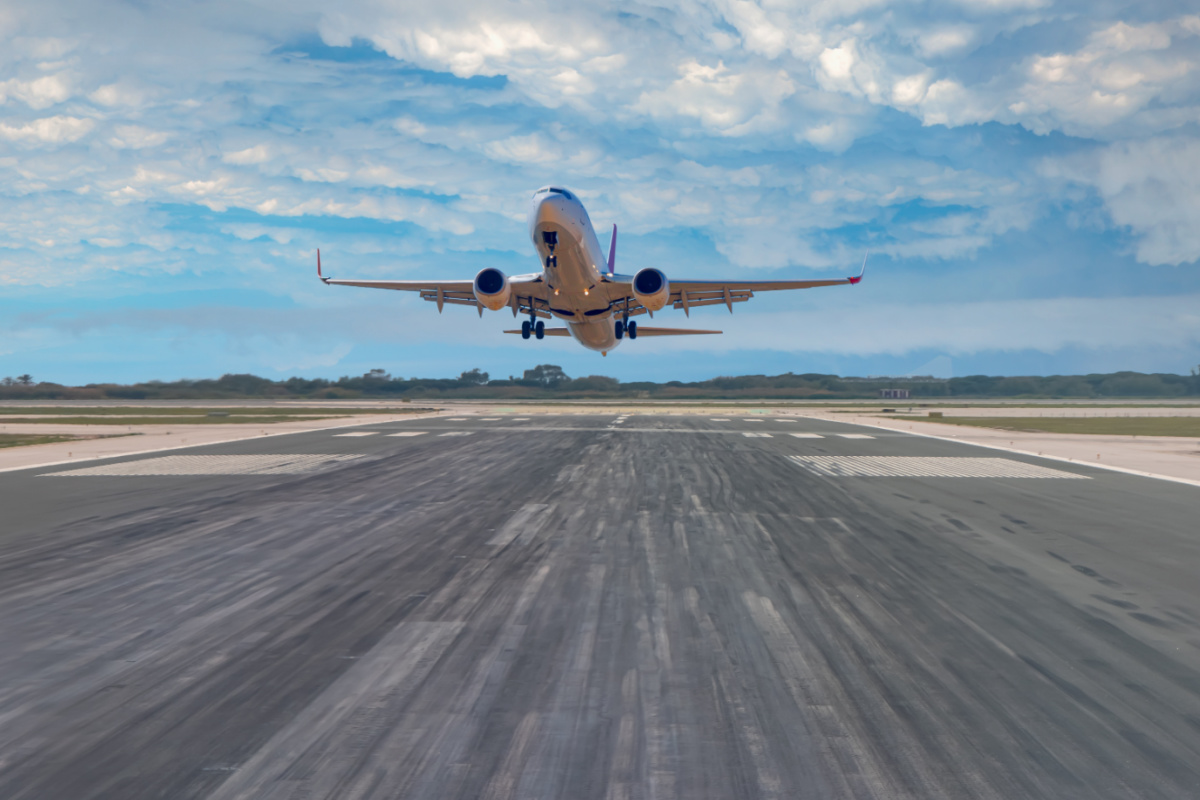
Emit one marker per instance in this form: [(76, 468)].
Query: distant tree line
[(549, 381)]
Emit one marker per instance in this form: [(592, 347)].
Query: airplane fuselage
[(580, 295)]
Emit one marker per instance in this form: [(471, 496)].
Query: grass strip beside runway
[(1109, 426)]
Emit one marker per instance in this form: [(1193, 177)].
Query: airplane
[(596, 304)]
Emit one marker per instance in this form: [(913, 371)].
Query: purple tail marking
[(612, 251)]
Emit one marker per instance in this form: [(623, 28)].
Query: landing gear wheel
[(525, 327), (633, 330), (539, 330), (619, 330)]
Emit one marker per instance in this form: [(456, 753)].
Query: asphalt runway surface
[(597, 607)]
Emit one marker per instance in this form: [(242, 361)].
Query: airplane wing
[(689, 294), (643, 330), (529, 292)]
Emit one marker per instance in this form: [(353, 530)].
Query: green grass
[(23, 439), (184, 411), (1112, 426)]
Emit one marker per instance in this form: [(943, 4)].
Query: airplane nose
[(549, 212)]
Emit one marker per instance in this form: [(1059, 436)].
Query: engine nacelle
[(492, 289), (651, 288)]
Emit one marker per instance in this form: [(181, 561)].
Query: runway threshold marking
[(925, 467), (808, 436), (294, 464), (409, 433), (358, 433)]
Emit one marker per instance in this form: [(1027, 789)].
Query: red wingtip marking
[(855, 280)]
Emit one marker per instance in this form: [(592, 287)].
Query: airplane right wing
[(529, 292)]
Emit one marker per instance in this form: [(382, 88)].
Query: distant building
[(893, 394)]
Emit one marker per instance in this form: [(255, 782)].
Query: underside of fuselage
[(571, 255)]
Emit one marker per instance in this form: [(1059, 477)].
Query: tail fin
[(612, 251)]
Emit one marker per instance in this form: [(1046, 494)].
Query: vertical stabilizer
[(612, 251)]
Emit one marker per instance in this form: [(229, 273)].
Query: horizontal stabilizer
[(646, 330), (551, 332)]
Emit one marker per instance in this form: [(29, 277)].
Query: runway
[(596, 606)]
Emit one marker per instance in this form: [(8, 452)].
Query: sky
[(1025, 175)]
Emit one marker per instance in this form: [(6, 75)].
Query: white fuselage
[(580, 295)]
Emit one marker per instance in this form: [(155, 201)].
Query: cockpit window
[(555, 190)]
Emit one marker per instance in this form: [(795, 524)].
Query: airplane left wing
[(689, 294)]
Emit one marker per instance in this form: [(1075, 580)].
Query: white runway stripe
[(808, 436), (409, 433), (856, 436), (488, 419), (357, 433), (925, 467), (518, 419), (455, 419), (757, 435), (214, 465), (719, 419), (455, 433)]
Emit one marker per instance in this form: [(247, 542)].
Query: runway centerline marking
[(296, 464), (488, 419), (409, 433), (358, 433), (855, 435), (456, 433), (719, 419), (925, 467), (750, 435), (808, 435), (454, 419)]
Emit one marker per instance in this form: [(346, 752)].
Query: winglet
[(319, 275), (612, 251), (862, 272)]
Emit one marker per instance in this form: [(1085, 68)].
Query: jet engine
[(492, 289), (651, 288)]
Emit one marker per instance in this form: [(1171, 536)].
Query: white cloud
[(38, 93), (48, 130), (1151, 187)]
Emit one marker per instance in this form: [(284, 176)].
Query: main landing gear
[(538, 329), (624, 327)]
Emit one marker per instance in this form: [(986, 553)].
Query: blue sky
[(1025, 173)]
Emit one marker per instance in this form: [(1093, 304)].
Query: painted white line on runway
[(749, 435), (518, 419), (855, 436), (808, 436), (409, 433), (456, 433), (925, 467), (455, 419), (752, 420), (786, 419), (488, 419), (295, 464), (719, 419), (358, 433)]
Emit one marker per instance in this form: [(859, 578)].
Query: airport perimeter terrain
[(627, 602)]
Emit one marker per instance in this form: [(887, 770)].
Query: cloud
[(1151, 187), (48, 130)]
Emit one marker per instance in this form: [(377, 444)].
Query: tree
[(546, 374), (473, 378), (8, 382), (25, 380), (378, 375)]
